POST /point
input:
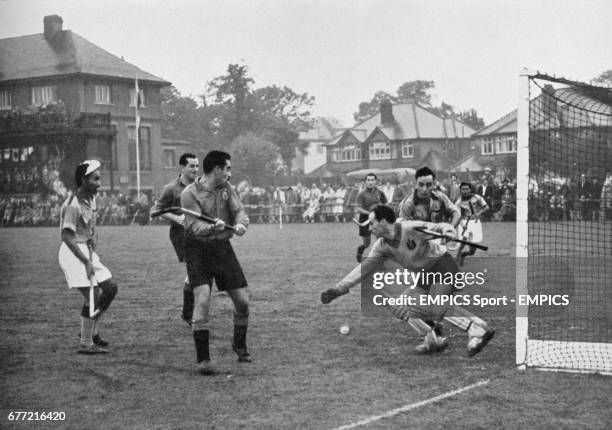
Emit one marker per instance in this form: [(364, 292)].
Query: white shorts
[(74, 269), (473, 233)]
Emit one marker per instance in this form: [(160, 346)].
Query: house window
[(347, 153), (169, 158), (5, 100), (505, 144), (103, 95), (380, 151), (144, 148), (141, 97), (43, 95), (486, 146), (103, 150), (407, 150)]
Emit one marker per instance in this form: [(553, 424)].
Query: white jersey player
[(472, 206)]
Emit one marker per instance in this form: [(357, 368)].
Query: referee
[(209, 254), (171, 196)]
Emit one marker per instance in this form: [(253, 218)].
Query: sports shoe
[(475, 344), (330, 294), (359, 255), (97, 340), (91, 349), (206, 367), (430, 346), (243, 354)]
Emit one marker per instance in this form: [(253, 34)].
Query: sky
[(343, 51)]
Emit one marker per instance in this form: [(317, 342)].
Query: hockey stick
[(442, 236), (178, 209), (93, 312), (464, 229), (361, 224)]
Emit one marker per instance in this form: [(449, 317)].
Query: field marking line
[(411, 406)]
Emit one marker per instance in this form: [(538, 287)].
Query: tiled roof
[(506, 124), (413, 121), (34, 56)]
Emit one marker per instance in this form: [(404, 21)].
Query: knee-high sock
[(87, 326), (240, 332), (420, 326), (200, 337), (466, 321)]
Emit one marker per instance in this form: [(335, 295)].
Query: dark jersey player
[(171, 197), (367, 200)]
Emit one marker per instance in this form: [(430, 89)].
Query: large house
[(404, 135), (64, 99), (494, 148)]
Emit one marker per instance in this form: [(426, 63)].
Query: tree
[(605, 78), (183, 119), (444, 110), (415, 90), (282, 114), (371, 108), (232, 108), (471, 118), (232, 92), (253, 158)]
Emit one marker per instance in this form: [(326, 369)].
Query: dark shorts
[(177, 237), (215, 259), (446, 264), (364, 231)]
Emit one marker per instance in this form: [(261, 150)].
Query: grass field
[(305, 374)]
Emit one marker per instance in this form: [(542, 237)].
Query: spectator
[(312, 211), (291, 201), (507, 211), (583, 195), (606, 199), (339, 197), (452, 190)]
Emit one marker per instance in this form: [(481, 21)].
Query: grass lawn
[(305, 374)]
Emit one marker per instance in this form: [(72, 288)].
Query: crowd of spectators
[(335, 202), (563, 199), (584, 199), (34, 210)]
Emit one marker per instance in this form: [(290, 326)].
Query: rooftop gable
[(413, 121), (34, 56), (505, 124)]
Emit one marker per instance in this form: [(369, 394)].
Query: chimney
[(53, 25), (386, 113)]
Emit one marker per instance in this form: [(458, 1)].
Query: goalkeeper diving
[(399, 241)]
